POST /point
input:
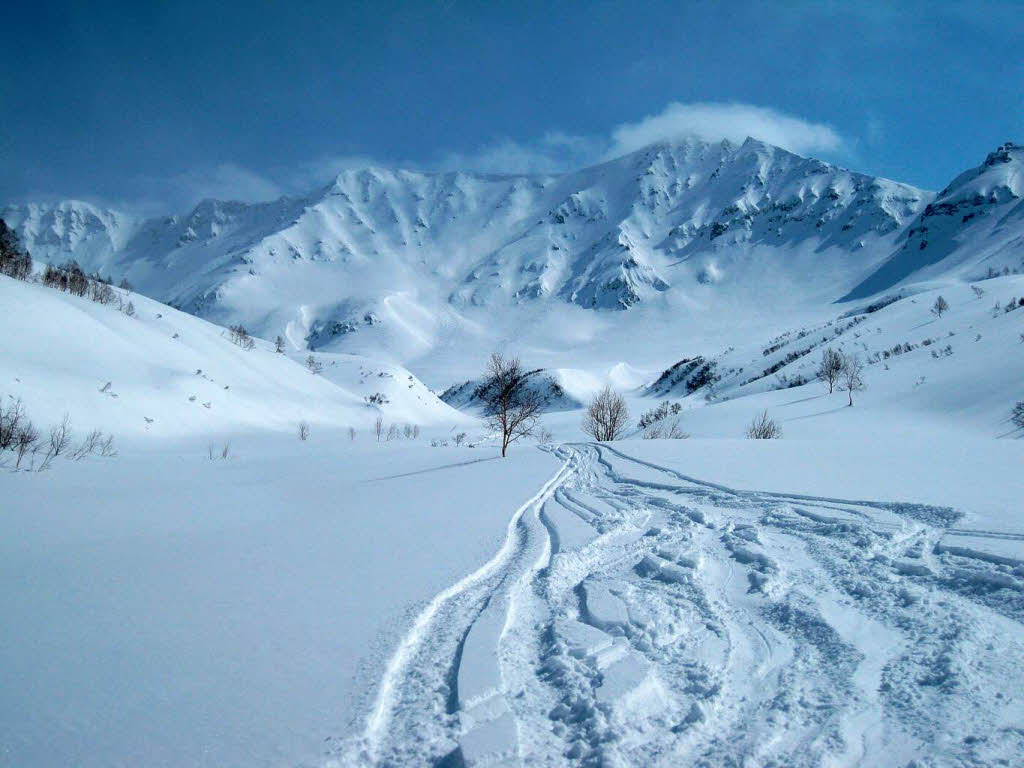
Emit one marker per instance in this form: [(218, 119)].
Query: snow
[(167, 610)]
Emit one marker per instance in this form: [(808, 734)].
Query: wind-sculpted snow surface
[(638, 616)]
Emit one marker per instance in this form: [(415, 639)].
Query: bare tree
[(940, 306), (510, 406), (415, 431), (351, 434), (279, 345), (1018, 415), (764, 428), (303, 430), (830, 368), (88, 446), (11, 418), (60, 437), (460, 438), (130, 311), (25, 440), (407, 431), (378, 426), (392, 432), (314, 365), (544, 436), (239, 336), (606, 416), (851, 380)]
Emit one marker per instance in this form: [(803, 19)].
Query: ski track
[(639, 616)]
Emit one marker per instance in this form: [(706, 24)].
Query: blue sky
[(155, 105)]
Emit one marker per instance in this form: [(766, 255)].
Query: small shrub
[(303, 431), (315, 366), (764, 428)]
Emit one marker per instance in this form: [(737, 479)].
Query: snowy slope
[(960, 372), (973, 229), (165, 373)]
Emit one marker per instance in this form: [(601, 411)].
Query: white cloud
[(716, 121), (558, 152), (226, 181), (555, 152)]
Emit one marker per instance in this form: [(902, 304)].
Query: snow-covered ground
[(162, 609)]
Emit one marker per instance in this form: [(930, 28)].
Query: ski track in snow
[(638, 616)]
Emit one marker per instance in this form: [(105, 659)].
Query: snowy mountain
[(973, 229), (414, 254)]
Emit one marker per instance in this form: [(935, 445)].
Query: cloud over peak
[(714, 121)]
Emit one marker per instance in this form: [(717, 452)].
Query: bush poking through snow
[(764, 428), (315, 366), (460, 438), (240, 337), (303, 430), (544, 436), (661, 412), (665, 429), (940, 306), (606, 416)]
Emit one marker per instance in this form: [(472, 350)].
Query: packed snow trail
[(638, 616)]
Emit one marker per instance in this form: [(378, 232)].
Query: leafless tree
[(125, 286), (830, 368), (510, 406), (852, 380), (378, 426), (351, 434), (392, 432), (238, 336), (106, 447), (314, 365), (303, 430), (1018, 415), (25, 441), (460, 438), (940, 306), (606, 417), (11, 418), (978, 291), (88, 446), (60, 436), (407, 431), (225, 451), (279, 345), (544, 436), (764, 428)]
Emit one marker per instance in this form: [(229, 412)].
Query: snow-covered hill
[(165, 373), (973, 229)]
